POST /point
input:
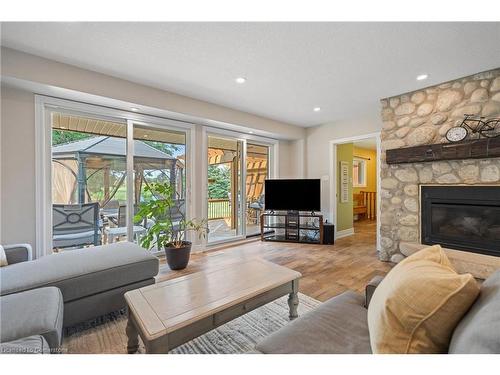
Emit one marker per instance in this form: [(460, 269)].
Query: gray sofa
[(85, 284), (339, 326), (31, 321)]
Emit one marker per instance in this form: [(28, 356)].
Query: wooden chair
[(365, 204), (359, 205)]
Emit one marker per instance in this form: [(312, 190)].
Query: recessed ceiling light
[(421, 77), (316, 109), (250, 132), (133, 109), (240, 80)]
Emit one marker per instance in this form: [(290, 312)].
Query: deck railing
[(218, 209)]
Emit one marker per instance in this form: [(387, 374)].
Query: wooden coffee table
[(171, 313)]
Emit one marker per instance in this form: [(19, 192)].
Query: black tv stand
[(291, 226)]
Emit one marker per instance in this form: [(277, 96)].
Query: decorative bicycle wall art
[(474, 126)]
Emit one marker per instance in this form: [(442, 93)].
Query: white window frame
[(43, 150)]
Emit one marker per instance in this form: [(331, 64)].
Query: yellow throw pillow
[(418, 304)]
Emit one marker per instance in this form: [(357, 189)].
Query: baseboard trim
[(344, 233)]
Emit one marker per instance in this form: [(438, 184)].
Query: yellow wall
[(371, 169), (344, 210)]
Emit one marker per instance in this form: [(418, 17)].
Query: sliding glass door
[(237, 170), (225, 215), (103, 170)]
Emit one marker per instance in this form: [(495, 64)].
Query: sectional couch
[(39, 297)]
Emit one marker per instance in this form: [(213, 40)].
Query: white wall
[(292, 159), (318, 148), (18, 166)]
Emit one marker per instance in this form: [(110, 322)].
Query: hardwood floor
[(327, 270)]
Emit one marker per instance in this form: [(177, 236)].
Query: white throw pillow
[(3, 257)]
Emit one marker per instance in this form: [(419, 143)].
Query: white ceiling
[(369, 144), (344, 68)]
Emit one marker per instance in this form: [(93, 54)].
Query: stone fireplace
[(461, 217), (423, 117)]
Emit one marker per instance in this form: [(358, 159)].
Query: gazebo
[(104, 157)]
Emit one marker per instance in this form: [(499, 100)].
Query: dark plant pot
[(178, 257)]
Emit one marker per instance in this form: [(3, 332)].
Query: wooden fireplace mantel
[(472, 149), (478, 265)]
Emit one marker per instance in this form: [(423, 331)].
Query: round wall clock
[(456, 134)]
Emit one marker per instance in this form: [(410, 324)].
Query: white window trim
[(194, 183), (43, 165)]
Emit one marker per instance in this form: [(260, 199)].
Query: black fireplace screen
[(462, 217)]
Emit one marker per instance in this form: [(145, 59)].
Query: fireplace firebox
[(461, 217)]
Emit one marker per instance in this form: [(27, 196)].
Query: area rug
[(107, 335)]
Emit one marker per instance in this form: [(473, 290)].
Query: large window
[(93, 198), (96, 166)]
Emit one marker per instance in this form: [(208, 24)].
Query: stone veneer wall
[(423, 117)]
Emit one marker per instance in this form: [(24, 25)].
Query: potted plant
[(161, 231)]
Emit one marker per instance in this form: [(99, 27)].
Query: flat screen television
[(293, 195)]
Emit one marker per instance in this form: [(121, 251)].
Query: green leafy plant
[(162, 232)]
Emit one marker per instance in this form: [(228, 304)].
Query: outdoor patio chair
[(113, 233), (75, 225)]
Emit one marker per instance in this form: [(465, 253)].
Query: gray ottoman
[(92, 280), (32, 313)]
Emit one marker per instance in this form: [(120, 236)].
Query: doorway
[(364, 191), (354, 198)]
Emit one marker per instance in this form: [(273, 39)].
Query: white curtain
[(64, 181)]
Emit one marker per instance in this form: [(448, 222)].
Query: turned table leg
[(293, 300), (132, 335)]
